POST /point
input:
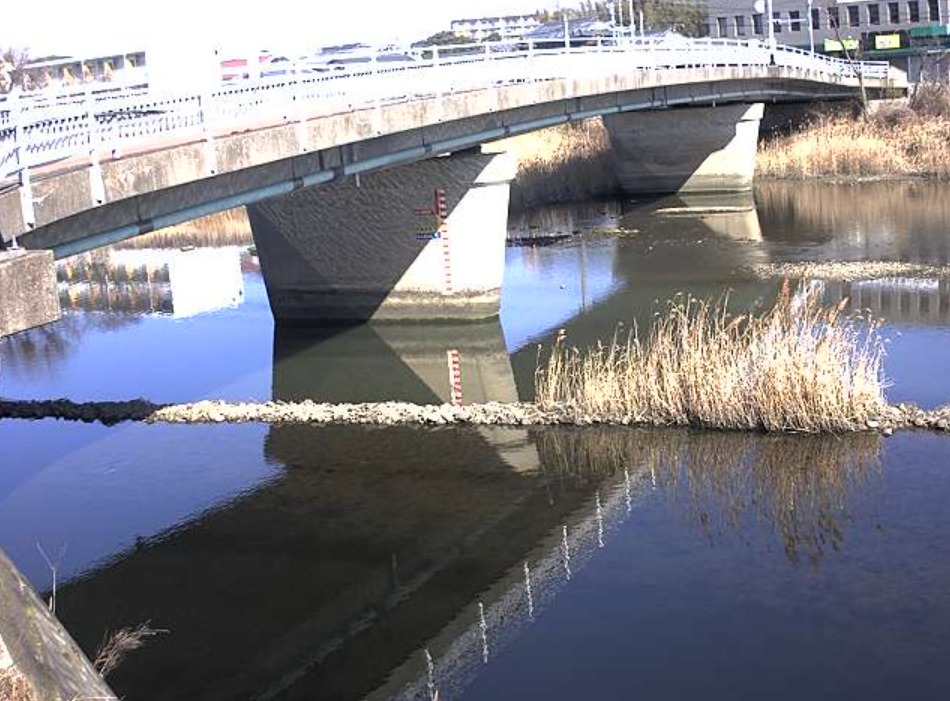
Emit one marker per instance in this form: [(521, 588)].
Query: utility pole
[(811, 28), (771, 20)]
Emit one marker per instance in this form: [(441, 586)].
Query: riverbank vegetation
[(799, 366), (894, 141), (566, 163), (230, 228), (15, 687)]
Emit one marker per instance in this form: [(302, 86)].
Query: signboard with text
[(887, 41)]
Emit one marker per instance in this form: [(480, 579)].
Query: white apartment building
[(507, 27)]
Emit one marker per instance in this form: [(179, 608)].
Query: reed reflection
[(901, 221), (797, 487)]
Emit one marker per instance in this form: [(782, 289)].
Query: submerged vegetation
[(799, 366)]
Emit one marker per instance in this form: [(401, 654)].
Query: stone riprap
[(901, 416), (849, 271)]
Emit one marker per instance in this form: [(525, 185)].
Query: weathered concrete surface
[(710, 149), (28, 296), (39, 647), (351, 250)]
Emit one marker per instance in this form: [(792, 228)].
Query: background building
[(65, 71), (912, 34), (507, 27)]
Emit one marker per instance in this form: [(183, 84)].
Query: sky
[(71, 28)]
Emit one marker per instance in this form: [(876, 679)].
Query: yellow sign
[(846, 43), (887, 41)]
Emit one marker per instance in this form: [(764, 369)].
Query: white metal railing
[(46, 126)]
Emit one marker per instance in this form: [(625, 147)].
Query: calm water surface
[(347, 562)]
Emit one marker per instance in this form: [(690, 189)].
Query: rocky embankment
[(901, 416)]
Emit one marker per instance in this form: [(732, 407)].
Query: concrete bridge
[(336, 167)]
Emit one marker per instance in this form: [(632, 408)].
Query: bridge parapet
[(38, 128)]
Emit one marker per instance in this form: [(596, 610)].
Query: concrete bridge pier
[(363, 248), (696, 149)]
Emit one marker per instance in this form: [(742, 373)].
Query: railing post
[(437, 82), (492, 79), (97, 186), (27, 211), (301, 112), (377, 109), (206, 110)]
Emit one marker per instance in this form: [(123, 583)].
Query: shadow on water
[(374, 544)]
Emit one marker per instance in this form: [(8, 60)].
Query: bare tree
[(12, 61), (830, 11)]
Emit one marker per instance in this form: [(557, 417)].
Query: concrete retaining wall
[(39, 647)]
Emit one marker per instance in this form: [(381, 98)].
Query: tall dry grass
[(566, 163), (894, 142), (800, 366), (230, 228)]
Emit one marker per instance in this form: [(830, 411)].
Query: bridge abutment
[(364, 248), (698, 149), (28, 295)]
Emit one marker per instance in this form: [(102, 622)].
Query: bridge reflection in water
[(374, 548), (180, 283), (895, 300)]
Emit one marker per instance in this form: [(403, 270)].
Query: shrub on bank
[(800, 366)]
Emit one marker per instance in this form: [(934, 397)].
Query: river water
[(349, 562)]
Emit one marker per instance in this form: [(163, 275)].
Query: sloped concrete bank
[(39, 661), (901, 416)]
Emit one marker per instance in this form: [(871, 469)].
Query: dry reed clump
[(799, 366), (115, 646), (894, 143), (230, 228), (566, 163)]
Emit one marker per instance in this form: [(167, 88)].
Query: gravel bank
[(849, 272), (902, 416)]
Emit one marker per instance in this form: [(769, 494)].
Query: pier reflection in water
[(422, 363)]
